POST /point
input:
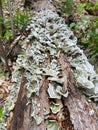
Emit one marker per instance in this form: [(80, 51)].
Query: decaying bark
[(83, 114), (76, 112), (18, 117)]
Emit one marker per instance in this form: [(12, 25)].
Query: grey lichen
[(50, 35)]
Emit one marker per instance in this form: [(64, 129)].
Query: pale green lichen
[(2, 126), (52, 125), (35, 113), (45, 41), (55, 107)]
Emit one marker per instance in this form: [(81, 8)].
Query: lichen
[(49, 35)]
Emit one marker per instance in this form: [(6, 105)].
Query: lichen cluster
[(48, 35)]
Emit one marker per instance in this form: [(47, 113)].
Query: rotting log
[(75, 113)]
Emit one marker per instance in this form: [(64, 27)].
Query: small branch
[(11, 18), (13, 45), (3, 56)]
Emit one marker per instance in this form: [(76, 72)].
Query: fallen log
[(45, 92)]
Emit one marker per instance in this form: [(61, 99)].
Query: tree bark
[(76, 112), (1, 20)]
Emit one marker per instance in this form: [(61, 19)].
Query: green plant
[(1, 114), (80, 7), (87, 27), (7, 34), (67, 7), (91, 8), (19, 42), (92, 33), (5, 27), (21, 20), (72, 25)]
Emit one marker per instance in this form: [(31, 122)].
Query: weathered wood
[(20, 108), (83, 114)]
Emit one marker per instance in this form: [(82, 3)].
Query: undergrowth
[(20, 22), (86, 27), (11, 25)]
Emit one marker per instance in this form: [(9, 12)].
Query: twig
[(3, 56), (11, 18), (13, 45)]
